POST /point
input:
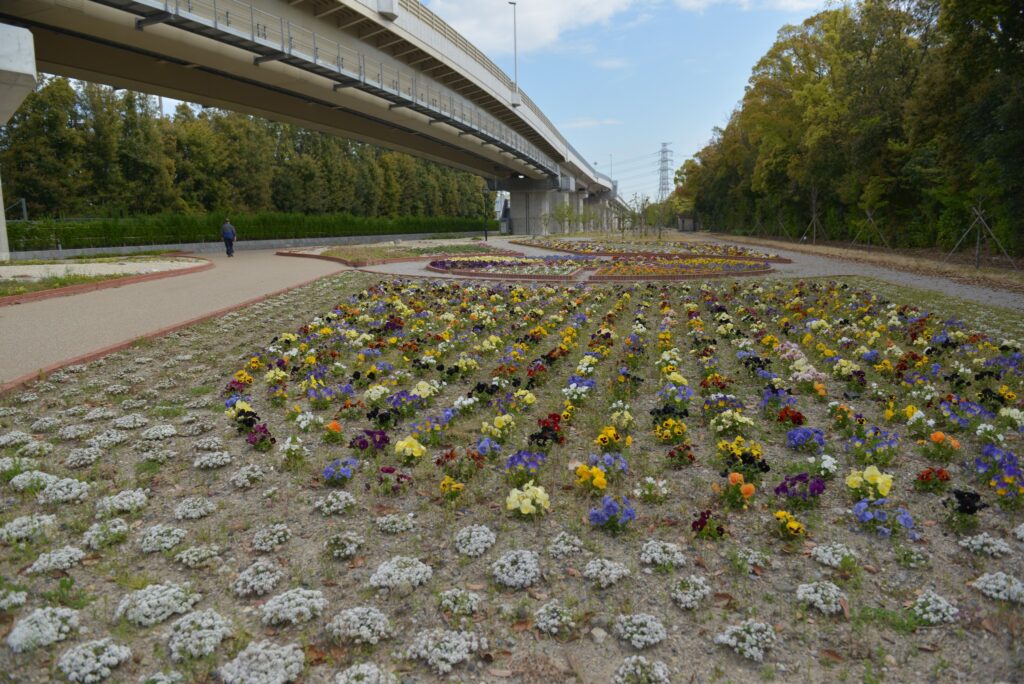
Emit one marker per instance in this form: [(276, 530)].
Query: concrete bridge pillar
[(17, 80), (530, 211)]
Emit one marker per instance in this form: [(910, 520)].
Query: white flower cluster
[(651, 491), (247, 476), (45, 424), (42, 627), (335, 502), (162, 678), (474, 541), (160, 537), (69, 432), (105, 533), (257, 579), (64, 490), (832, 554), (753, 558), (986, 544), (11, 598), (750, 639), (553, 618), (35, 450), (107, 439), (564, 545), (59, 559), (824, 596), (197, 635), (83, 457), (999, 585), (11, 466), (662, 554), (365, 673), (125, 501), (689, 592), (1018, 532), (27, 527), (211, 460), (292, 607), (269, 538), (31, 480), (517, 569), (129, 421), (394, 523), (639, 630), (344, 545), (604, 573), (264, 663), (638, 670), (458, 602), (360, 625), (194, 508), (400, 570), (208, 444), (14, 438), (934, 609), (197, 556), (153, 604), (92, 661), (443, 649), (159, 432)]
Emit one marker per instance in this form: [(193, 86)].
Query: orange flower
[(954, 443), (735, 478), (334, 426), (938, 437), (747, 490)]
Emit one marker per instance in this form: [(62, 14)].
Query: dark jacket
[(227, 231)]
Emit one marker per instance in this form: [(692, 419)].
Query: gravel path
[(39, 271)]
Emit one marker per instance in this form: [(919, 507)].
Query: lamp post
[(516, 101)]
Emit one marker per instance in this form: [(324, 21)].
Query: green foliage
[(910, 111), (67, 595)]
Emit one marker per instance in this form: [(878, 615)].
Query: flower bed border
[(678, 255), (110, 282), (362, 263), (597, 278), (508, 276)]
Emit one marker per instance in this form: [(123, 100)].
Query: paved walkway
[(36, 335)]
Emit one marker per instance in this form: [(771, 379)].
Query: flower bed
[(674, 249)]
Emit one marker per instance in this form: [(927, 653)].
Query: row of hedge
[(171, 229)]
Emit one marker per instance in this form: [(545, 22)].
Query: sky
[(620, 77)]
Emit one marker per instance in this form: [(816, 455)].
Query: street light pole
[(516, 101)]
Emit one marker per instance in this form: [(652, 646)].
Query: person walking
[(228, 232)]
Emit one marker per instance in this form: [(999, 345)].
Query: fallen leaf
[(929, 523), (536, 594), (329, 583), (872, 569), (495, 672), (989, 626), (521, 626), (357, 562), (723, 598), (315, 655), (476, 587), (846, 607), (831, 655), (572, 572), (757, 570), (930, 648), (699, 562)]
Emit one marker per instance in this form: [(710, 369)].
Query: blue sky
[(620, 77)]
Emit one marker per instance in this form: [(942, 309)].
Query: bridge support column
[(17, 80)]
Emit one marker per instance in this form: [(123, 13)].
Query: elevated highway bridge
[(386, 72)]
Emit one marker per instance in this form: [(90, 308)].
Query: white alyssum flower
[(640, 630), (753, 558), (12, 598), (75, 431), (986, 544), (604, 573), (247, 476), (160, 538), (292, 607), (42, 627), (934, 609), (31, 481), (92, 661), (344, 545), (153, 604), (553, 618), (265, 663), (35, 450), (14, 438), (365, 673), (1018, 532), (269, 538), (198, 556), (689, 592), (197, 635), (59, 559), (159, 432), (11, 466), (750, 639), (27, 527), (335, 502), (211, 460), (824, 596), (1000, 586), (662, 554), (107, 439), (638, 670), (64, 490), (564, 545), (400, 570), (257, 579), (474, 541), (517, 569), (129, 421), (458, 602), (125, 501), (832, 555), (395, 523), (360, 625), (194, 508), (162, 678), (105, 533), (443, 649)]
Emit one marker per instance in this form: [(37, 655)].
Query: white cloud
[(590, 123), (611, 63), (781, 5), (488, 23)]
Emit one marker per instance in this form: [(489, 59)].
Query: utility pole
[(516, 100), (664, 172)]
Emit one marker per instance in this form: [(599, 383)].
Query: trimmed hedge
[(170, 229)]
